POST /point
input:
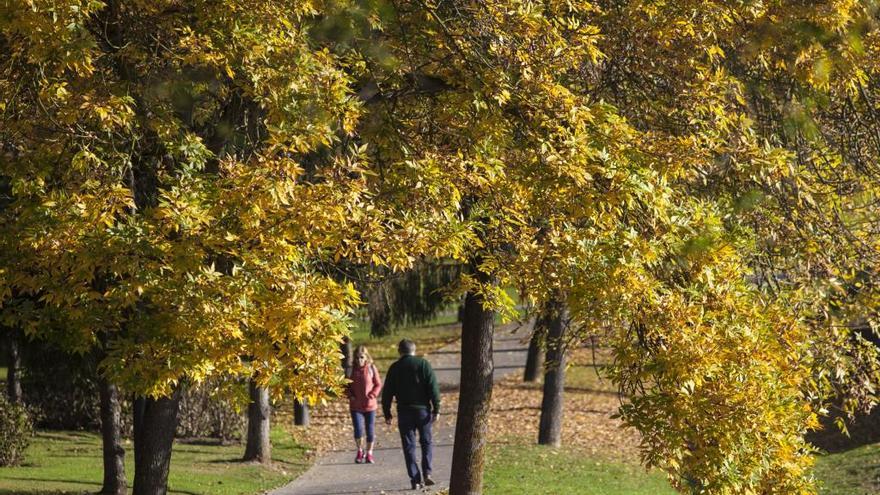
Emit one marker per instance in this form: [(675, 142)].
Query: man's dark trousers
[(410, 420)]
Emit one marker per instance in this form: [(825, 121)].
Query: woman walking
[(365, 386)]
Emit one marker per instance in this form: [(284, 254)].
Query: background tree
[(558, 323), (257, 445), (412, 297)]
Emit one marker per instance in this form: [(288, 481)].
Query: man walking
[(414, 383)]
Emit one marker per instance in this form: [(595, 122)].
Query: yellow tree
[(628, 211), (191, 166), (800, 226), (490, 110), (178, 172)]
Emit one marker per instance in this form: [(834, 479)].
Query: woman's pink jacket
[(364, 389)]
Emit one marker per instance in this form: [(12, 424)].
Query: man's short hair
[(406, 347)]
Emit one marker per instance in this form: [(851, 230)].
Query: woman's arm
[(377, 383)]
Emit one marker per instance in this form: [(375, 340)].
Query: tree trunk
[(13, 371), (154, 425), (258, 446), (468, 454), (345, 348), (111, 436), (534, 355), (300, 413), (550, 426), (378, 311)]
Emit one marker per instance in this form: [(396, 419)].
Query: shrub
[(61, 388), (209, 410), (61, 391), (16, 430)]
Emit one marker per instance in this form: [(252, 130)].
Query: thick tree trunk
[(550, 426), (13, 371), (468, 455), (345, 349), (378, 311), (111, 436), (154, 425), (300, 413), (534, 355), (258, 446)]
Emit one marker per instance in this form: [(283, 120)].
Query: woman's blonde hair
[(361, 349)]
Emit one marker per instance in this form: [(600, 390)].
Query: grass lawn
[(2, 373), (533, 469), (70, 463), (852, 472), (517, 465)]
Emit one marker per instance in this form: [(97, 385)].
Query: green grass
[(2, 373), (70, 463), (853, 472), (534, 469)]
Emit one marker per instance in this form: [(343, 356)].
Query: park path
[(335, 472)]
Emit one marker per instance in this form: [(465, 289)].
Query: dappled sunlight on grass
[(851, 472), (526, 468), (64, 462)]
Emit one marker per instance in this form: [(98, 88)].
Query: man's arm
[(434, 388), (388, 392)]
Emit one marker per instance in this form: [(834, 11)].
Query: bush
[(60, 388), (16, 430), (209, 410)]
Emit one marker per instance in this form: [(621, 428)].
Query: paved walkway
[(336, 473)]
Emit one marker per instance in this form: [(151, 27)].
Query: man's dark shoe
[(416, 485), (428, 480)]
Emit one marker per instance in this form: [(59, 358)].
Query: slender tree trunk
[(13, 371), (258, 446), (550, 427), (300, 413), (154, 425), (468, 455), (111, 436), (534, 355)]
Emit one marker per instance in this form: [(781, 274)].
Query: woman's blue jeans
[(363, 421)]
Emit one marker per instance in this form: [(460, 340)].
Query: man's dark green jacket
[(412, 380)]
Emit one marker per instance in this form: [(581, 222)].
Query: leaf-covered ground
[(516, 406)]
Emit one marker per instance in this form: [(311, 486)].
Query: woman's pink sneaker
[(359, 458), (369, 457)]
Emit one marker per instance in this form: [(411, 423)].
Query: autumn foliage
[(181, 181)]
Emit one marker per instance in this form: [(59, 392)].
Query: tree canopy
[(695, 177)]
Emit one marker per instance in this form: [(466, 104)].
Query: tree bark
[(345, 349), (468, 454), (13, 371), (111, 436), (534, 355), (378, 311), (258, 447), (300, 413), (550, 426), (154, 425)]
